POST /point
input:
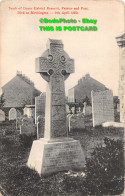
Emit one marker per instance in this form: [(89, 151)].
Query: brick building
[(19, 91), (83, 89), (121, 91)]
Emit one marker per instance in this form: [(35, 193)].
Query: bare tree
[(2, 101)]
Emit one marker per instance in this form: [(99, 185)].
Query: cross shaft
[(55, 66)]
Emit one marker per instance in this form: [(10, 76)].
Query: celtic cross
[(55, 66)]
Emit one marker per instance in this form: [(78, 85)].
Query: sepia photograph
[(62, 97)]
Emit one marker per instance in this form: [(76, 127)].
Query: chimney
[(19, 73), (87, 75)]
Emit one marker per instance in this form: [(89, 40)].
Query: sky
[(94, 52)]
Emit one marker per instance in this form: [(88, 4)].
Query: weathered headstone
[(77, 121), (2, 116), (28, 127), (55, 152), (40, 126), (29, 110), (40, 106), (18, 119), (25, 111), (68, 118), (102, 107), (12, 114), (87, 110)]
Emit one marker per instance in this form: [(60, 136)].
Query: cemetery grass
[(99, 177)]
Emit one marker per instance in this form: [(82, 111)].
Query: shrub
[(105, 169)]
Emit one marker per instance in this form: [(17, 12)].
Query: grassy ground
[(18, 180)]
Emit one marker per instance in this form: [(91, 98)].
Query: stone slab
[(113, 124), (29, 110), (76, 121), (12, 114), (40, 106), (18, 119), (50, 156), (87, 110), (2, 115), (28, 127), (102, 107), (40, 126)]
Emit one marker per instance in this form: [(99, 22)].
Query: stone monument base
[(54, 155)]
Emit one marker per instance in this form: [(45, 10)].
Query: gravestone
[(27, 126), (2, 116), (40, 126), (87, 110), (76, 121), (29, 110), (18, 119), (68, 120), (25, 111), (102, 107), (55, 152), (12, 114), (40, 106)]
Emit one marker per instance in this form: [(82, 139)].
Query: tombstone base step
[(54, 155)]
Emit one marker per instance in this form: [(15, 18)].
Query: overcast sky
[(95, 53)]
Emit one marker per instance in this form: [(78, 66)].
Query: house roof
[(25, 79), (85, 77)]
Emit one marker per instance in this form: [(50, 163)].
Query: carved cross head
[(54, 61)]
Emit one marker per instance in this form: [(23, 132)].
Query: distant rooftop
[(86, 77), (25, 78)]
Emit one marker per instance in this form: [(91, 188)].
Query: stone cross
[(55, 66)]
